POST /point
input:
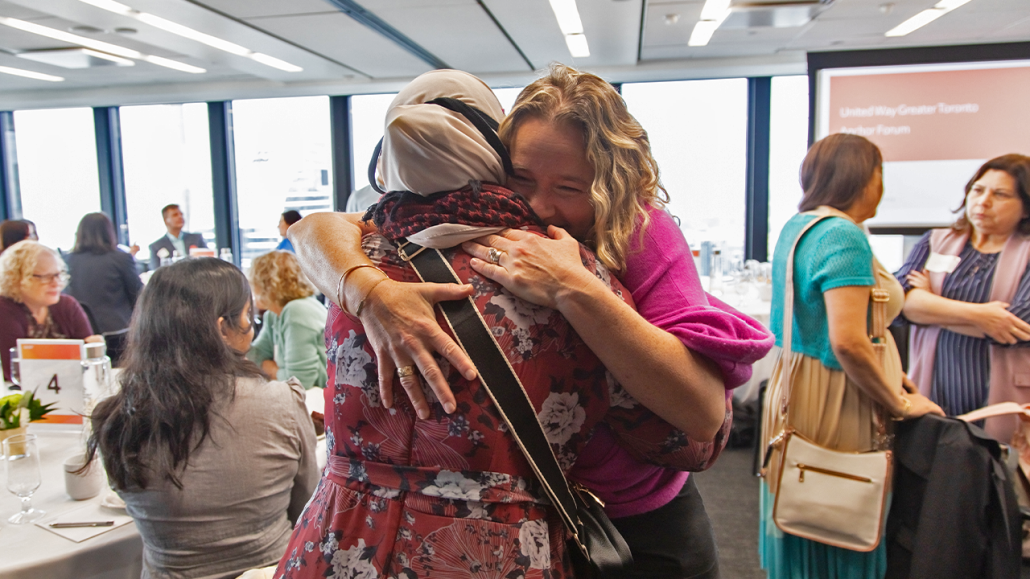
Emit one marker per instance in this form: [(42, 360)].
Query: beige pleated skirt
[(826, 407)]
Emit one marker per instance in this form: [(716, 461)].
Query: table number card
[(53, 370)]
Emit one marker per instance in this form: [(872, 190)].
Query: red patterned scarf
[(402, 213)]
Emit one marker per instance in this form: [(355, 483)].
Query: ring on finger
[(405, 371), (494, 255)]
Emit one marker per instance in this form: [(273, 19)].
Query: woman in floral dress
[(450, 494)]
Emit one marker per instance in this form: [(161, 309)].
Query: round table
[(30, 552)]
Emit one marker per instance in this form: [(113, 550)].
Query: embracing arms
[(652, 365), (398, 317), (655, 367)]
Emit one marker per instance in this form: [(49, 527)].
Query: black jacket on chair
[(954, 512)]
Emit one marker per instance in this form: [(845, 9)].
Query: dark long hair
[(836, 170), (1018, 167), (178, 368), (95, 234), (14, 230)]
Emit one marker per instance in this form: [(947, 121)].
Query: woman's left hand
[(537, 269), (918, 280)]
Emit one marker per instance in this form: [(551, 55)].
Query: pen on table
[(82, 524)]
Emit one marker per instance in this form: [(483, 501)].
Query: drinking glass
[(15, 370), (21, 459)]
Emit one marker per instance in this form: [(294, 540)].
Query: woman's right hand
[(919, 405), (1001, 325), (402, 329)]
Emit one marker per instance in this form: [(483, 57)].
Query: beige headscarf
[(429, 149)]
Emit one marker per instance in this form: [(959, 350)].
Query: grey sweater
[(241, 491)]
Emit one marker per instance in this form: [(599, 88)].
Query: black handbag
[(596, 547)]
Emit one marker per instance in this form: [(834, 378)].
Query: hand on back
[(540, 270)]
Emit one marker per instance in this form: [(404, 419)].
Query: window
[(507, 97), (57, 169), (788, 143), (166, 153), (283, 161), (367, 118), (698, 133)]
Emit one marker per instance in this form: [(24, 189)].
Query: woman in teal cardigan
[(292, 340)]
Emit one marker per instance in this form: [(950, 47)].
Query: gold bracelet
[(361, 304), (346, 272), (904, 411)]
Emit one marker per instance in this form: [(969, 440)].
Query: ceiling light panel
[(187, 32), (96, 44), (69, 38), (713, 14), (925, 17), (702, 33), (577, 44), (192, 34), (109, 5), (74, 57), (274, 62), (173, 64), (567, 14), (30, 74), (715, 9)]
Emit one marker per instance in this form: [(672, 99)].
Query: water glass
[(21, 459), (15, 369)]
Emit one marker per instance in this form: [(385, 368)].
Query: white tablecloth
[(29, 552)]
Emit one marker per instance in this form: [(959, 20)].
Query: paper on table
[(90, 512)]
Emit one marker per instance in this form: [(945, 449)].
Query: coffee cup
[(85, 484)]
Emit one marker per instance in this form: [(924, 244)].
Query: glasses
[(21, 457), (47, 279)]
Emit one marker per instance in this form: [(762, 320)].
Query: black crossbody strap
[(499, 378)]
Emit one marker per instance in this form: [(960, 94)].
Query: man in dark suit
[(176, 239)]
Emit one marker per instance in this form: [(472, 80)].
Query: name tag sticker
[(938, 263)]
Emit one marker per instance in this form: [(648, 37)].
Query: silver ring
[(494, 256), (405, 371)]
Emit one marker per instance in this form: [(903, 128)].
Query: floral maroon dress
[(452, 496)]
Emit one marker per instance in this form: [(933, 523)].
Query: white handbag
[(825, 495)]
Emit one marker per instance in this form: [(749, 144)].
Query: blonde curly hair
[(276, 276), (18, 263), (625, 173)]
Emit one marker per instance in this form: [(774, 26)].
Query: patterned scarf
[(48, 330), (402, 213)]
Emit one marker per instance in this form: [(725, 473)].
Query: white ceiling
[(339, 55)]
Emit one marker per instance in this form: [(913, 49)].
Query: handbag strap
[(501, 383), (877, 326)]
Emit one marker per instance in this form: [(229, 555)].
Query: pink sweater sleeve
[(661, 276)]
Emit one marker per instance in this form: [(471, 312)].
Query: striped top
[(962, 367)]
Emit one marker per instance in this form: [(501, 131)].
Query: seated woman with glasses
[(31, 303)]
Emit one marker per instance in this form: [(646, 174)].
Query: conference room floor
[(730, 493)]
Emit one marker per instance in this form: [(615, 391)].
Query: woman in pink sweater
[(584, 164)]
